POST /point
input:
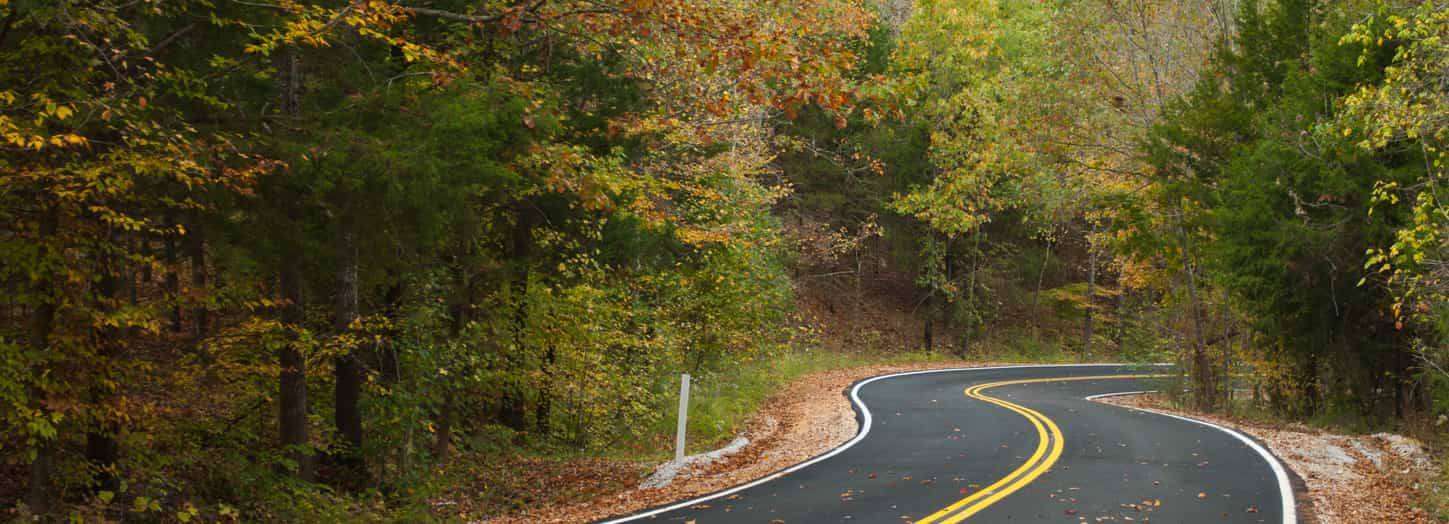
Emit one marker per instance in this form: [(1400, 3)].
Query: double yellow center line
[(1048, 449)]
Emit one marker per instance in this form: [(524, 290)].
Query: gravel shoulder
[(1349, 478)]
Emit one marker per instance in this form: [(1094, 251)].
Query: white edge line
[(1118, 394), (1285, 488), (859, 436)]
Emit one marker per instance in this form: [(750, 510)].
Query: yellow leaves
[(701, 237)]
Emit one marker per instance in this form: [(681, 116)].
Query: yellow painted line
[(1048, 436)]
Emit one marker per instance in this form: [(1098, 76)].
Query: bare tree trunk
[(102, 451), (513, 409), (443, 435), (1036, 297), (292, 394), (1227, 378), (859, 295), (292, 382), (948, 304), (1091, 294), (1119, 310), (974, 315), (1202, 366), (173, 282), (38, 492), (930, 313), (542, 414), (384, 354), (347, 370), (196, 251)]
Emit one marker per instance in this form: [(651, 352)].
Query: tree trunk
[(102, 451), (443, 435), (38, 493), (974, 315), (930, 310), (1119, 310), (1091, 294), (384, 354), (1036, 297), (347, 369), (542, 412), (173, 282), (513, 409), (948, 306), (1203, 392), (292, 395), (196, 251), (462, 313)]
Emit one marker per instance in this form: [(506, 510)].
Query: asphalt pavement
[(1013, 444)]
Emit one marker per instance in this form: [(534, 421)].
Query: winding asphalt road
[(1011, 444)]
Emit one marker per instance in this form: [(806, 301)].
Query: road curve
[(1011, 444)]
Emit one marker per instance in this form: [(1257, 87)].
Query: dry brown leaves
[(531, 481), (1350, 479)]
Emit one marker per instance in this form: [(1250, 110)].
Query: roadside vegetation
[(313, 260)]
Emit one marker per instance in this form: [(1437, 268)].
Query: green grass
[(721, 403), (1021, 344)]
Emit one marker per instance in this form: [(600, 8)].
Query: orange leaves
[(511, 20)]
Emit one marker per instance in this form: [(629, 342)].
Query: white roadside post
[(683, 418)]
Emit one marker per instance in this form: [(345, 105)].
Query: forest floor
[(1349, 478)]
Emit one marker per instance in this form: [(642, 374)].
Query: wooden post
[(683, 417)]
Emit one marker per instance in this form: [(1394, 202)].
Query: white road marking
[(866, 422), (1285, 488)]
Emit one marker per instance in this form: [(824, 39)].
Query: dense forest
[(280, 260)]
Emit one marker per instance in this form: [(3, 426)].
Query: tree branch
[(170, 39), (477, 19)]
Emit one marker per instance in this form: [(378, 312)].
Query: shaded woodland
[(328, 260)]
